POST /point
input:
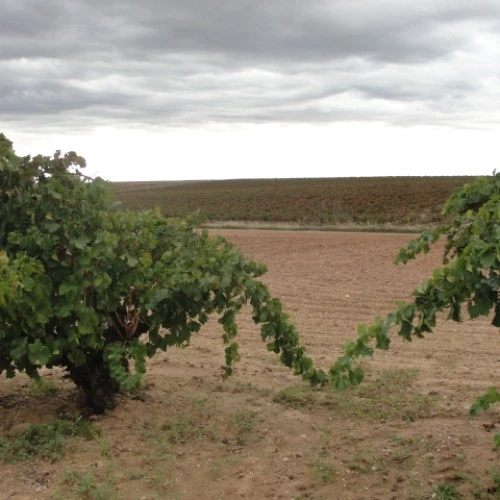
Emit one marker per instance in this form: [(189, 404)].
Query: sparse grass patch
[(42, 386), (104, 447), (248, 387), (245, 427), (445, 491), (295, 396), (386, 397), (465, 486), (321, 467), (491, 491), (164, 484), (364, 462), (400, 441), (193, 419), (85, 487), (45, 440), (402, 452), (495, 476), (180, 430)]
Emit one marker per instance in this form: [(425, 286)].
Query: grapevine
[(97, 290), (468, 281)]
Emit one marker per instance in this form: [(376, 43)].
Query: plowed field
[(371, 201), (263, 434)]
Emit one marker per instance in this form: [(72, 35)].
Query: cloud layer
[(179, 63)]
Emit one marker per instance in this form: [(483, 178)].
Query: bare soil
[(265, 434)]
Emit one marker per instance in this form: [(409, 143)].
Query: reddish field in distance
[(318, 202)]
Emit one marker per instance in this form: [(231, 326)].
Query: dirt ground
[(263, 434)]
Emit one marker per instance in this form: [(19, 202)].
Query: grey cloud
[(54, 97), (265, 31), (191, 62)]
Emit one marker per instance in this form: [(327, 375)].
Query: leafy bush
[(97, 290)]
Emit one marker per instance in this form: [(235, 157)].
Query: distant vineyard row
[(328, 201)]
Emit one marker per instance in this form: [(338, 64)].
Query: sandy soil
[(265, 434)]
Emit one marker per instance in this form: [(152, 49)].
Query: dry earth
[(264, 434)]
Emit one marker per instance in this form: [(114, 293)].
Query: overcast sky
[(192, 89)]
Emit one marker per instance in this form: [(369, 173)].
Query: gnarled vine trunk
[(95, 379)]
